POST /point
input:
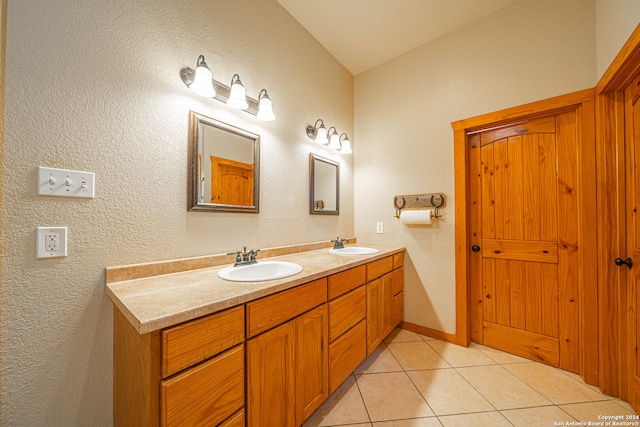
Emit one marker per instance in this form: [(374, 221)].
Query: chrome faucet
[(339, 243), (244, 257)]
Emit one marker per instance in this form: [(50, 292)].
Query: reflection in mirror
[(224, 166), (324, 178)]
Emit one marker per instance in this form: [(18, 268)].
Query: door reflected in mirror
[(224, 168), (324, 178)]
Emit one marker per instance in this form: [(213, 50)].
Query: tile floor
[(415, 381)]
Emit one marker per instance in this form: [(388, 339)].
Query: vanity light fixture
[(238, 95), (334, 139), (318, 134), (201, 82), (331, 139), (345, 144), (265, 107)]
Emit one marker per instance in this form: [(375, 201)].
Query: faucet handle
[(254, 254), (237, 254)]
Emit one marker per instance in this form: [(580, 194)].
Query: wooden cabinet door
[(398, 296), (374, 319), (271, 378), (312, 361), (387, 305)]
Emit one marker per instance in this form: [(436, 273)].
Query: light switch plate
[(51, 242), (380, 227), (66, 183)]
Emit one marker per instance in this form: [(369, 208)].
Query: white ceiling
[(362, 34)]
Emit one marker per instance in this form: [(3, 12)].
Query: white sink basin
[(263, 270), (354, 250)]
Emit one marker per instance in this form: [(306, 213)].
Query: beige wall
[(616, 20), (94, 85), (531, 50)]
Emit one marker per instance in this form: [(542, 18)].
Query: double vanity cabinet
[(268, 361)]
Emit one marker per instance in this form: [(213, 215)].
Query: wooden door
[(271, 378), (232, 183), (524, 274), (632, 143), (312, 361)]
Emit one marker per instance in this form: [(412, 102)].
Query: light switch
[(51, 242), (66, 183)]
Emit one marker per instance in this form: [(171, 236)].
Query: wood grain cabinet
[(347, 324), (190, 374), (385, 296), (287, 366), (270, 362)]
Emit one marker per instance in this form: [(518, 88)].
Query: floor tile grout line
[(448, 367), (355, 378), (521, 381)]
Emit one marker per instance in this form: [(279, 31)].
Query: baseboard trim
[(433, 333)]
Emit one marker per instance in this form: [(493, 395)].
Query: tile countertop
[(153, 303)]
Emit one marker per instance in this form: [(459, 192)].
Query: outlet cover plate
[(51, 242)]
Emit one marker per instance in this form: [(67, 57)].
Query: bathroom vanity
[(193, 349)]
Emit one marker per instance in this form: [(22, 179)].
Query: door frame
[(583, 103), (611, 191)]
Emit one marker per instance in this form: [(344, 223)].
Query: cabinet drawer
[(346, 311), (267, 312), (187, 344), (346, 353), (206, 394), (398, 280), (236, 420), (398, 260), (377, 268), (345, 281)]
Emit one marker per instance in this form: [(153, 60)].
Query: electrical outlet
[(379, 227), (51, 242)]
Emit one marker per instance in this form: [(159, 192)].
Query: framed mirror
[(224, 166), (324, 180)]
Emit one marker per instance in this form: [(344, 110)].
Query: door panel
[(528, 275), (231, 182), (632, 141)]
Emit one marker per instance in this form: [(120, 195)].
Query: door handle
[(475, 248), (620, 262)]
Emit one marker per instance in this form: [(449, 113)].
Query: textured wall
[(616, 21), (531, 50), (94, 85)]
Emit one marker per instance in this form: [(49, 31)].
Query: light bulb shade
[(346, 147), (238, 95), (321, 136), (334, 141), (202, 81), (345, 144), (265, 107)]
